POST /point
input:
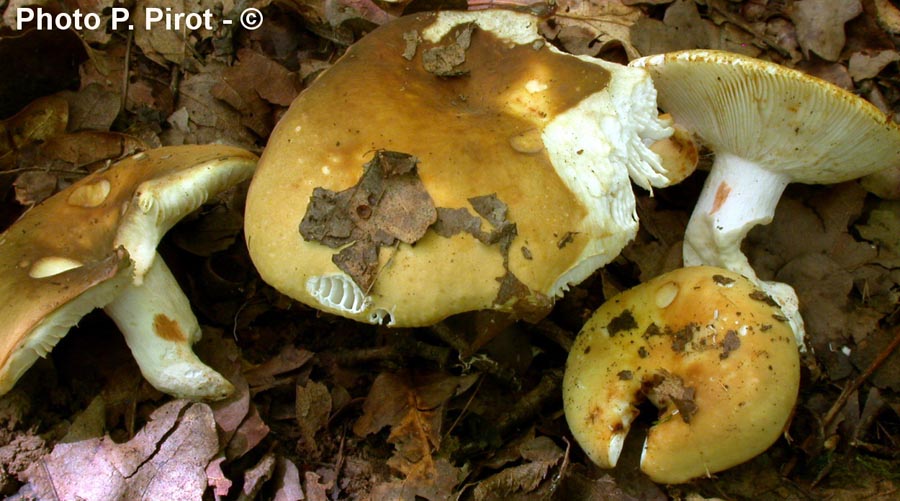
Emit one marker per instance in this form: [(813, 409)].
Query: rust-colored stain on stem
[(168, 329), (722, 193)]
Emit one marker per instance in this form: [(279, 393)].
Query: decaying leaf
[(264, 375), (167, 459), (539, 455), (287, 481), (201, 117), (444, 60), (525, 303), (42, 119), (389, 204), (590, 26), (252, 85), (257, 476), (681, 28), (865, 65), (413, 406), (664, 388), (92, 108), (313, 407), (820, 25), (883, 225)]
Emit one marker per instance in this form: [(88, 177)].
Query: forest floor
[(327, 408)]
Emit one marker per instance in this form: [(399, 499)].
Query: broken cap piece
[(93, 245), (704, 345), (502, 172), (769, 126)]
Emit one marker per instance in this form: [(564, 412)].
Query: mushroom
[(707, 347), (768, 126), (93, 245), (454, 162)]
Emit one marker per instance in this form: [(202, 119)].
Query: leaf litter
[(329, 409)]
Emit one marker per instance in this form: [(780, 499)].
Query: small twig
[(123, 102), (465, 408), (856, 383), (450, 336), (531, 403), (555, 333)]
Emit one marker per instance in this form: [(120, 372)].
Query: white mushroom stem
[(738, 195), (159, 327)]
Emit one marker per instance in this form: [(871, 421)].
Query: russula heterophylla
[(467, 123), (93, 245), (708, 348), (768, 126)]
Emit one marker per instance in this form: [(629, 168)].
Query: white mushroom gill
[(160, 203), (41, 340), (339, 292), (764, 123), (594, 147)]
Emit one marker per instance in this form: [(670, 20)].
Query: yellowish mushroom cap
[(487, 109), (708, 348), (87, 245), (782, 119)]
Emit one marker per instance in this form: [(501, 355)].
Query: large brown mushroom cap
[(83, 247), (708, 348), (493, 125)]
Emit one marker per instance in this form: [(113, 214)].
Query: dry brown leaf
[(249, 434), (437, 485), (201, 117), (389, 204), (681, 28), (412, 404), (256, 477), (883, 225), (216, 478), (59, 160), (161, 45), (288, 359), (82, 149), (287, 481), (313, 407), (252, 84), (888, 15), (888, 375), (32, 187), (92, 108), (165, 460), (820, 25), (865, 65), (42, 119), (540, 454), (591, 26), (102, 9)]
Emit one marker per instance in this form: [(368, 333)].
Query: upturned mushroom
[(769, 126), (453, 162), (708, 348), (93, 245)]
